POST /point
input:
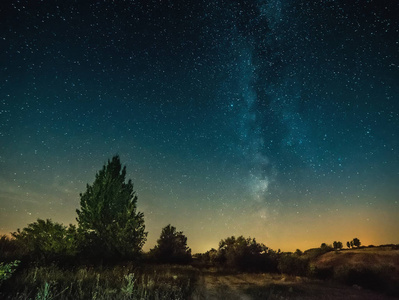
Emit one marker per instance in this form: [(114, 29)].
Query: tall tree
[(171, 247), (108, 216)]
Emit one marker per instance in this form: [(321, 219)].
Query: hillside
[(374, 268), (364, 257)]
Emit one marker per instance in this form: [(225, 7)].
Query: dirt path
[(213, 285)]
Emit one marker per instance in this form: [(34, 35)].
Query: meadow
[(121, 281)]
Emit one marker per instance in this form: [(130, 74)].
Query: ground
[(214, 285)]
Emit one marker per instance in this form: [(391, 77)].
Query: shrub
[(9, 248), (293, 264), (47, 240), (321, 273), (6, 270), (371, 278), (246, 254)]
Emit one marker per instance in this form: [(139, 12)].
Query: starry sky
[(276, 119)]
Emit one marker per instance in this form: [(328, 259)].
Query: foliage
[(171, 247), (370, 277), (9, 249), (353, 243), (245, 254), (117, 282), (337, 245), (6, 270), (293, 264), (209, 257), (298, 252), (356, 242), (325, 248), (108, 219), (322, 273), (46, 240)]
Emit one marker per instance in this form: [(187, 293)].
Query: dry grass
[(360, 257), (244, 286)]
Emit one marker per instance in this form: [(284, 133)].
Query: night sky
[(273, 119)]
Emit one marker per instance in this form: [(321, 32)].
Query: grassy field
[(117, 282), (369, 273), (213, 285)]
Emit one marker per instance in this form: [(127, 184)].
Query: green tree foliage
[(245, 254), (6, 270), (171, 247), (46, 240), (108, 220)]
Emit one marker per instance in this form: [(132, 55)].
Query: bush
[(245, 254), (321, 273), (293, 264), (6, 270), (9, 249), (371, 278), (46, 241)]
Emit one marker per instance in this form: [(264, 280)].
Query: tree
[(356, 242), (108, 220), (9, 248), (348, 244), (245, 254), (351, 244), (171, 247), (337, 245), (47, 240)]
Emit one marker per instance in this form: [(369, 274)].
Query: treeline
[(109, 228)]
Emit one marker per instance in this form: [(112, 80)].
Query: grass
[(358, 274), (118, 282)]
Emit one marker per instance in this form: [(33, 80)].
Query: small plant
[(128, 289), (44, 292), (6, 270)]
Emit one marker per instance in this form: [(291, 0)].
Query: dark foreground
[(170, 282)]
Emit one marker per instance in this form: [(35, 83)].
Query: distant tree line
[(109, 227)]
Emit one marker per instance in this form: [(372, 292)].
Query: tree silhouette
[(108, 220), (171, 247), (348, 244), (337, 245), (356, 242), (245, 254)]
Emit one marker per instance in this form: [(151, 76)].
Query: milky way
[(273, 119)]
